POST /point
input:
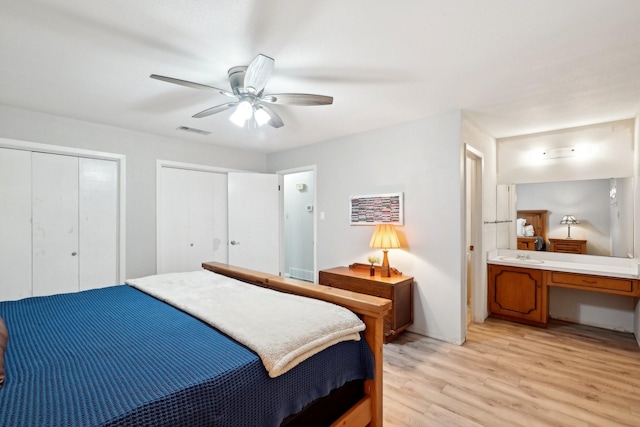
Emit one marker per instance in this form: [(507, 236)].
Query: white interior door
[(192, 219), (55, 223), (254, 235), (15, 224), (98, 219)]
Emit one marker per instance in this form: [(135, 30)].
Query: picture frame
[(373, 209)]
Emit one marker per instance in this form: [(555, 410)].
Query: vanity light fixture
[(568, 220), (385, 238), (556, 153)]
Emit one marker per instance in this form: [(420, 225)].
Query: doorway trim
[(281, 174), (121, 162), (474, 215)]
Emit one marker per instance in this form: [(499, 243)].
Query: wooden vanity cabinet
[(518, 294)]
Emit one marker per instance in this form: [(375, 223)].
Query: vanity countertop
[(583, 264)]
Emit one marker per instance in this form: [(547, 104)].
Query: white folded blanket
[(283, 329)]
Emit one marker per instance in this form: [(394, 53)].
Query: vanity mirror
[(603, 209)]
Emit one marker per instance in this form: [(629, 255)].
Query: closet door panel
[(191, 219), (98, 210), (15, 224), (55, 223)]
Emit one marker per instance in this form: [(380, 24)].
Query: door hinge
[(278, 187)]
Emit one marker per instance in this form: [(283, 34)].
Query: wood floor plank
[(511, 374)]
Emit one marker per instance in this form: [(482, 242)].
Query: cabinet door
[(55, 223), (15, 224), (517, 294)]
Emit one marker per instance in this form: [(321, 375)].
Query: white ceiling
[(516, 66)]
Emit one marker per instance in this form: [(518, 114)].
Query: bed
[(536, 221), (118, 356)]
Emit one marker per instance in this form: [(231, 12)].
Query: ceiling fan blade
[(191, 84), (258, 72), (297, 99), (275, 120), (214, 110)]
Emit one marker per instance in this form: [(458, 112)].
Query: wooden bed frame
[(368, 411), (537, 218)]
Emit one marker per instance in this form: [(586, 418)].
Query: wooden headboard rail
[(370, 309)]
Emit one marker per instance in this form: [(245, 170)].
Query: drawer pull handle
[(591, 282)]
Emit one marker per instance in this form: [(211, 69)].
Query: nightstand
[(568, 246), (397, 288)]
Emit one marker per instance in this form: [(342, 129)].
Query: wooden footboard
[(368, 411)]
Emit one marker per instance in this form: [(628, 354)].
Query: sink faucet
[(522, 256)]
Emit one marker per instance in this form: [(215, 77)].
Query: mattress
[(118, 357)]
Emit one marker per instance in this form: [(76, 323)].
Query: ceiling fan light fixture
[(243, 112), (261, 116)]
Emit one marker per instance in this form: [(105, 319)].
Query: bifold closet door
[(15, 224), (192, 219), (55, 224), (74, 235)]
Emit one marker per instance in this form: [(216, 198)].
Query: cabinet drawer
[(368, 287), (595, 282)]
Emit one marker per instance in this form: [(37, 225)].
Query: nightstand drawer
[(369, 287)]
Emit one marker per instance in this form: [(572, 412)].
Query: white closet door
[(15, 224), (191, 219), (98, 210), (55, 223)]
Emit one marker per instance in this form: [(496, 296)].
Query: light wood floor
[(508, 374)]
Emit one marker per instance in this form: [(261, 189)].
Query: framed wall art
[(377, 209)]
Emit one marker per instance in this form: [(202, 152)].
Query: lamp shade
[(569, 219), (384, 237)]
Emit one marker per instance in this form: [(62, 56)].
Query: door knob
[(233, 242), (74, 253)]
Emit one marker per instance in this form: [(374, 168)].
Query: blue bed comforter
[(118, 357)]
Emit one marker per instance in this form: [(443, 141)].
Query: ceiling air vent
[(194, 130)]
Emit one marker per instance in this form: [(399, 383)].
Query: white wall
[(602, 151), (423, 160), (141, 151)]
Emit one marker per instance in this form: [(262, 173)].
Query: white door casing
[(254, 232)]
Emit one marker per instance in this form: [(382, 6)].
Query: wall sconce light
[(385, 238), (568, 220)]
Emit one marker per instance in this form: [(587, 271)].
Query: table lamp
[(384, 237), (568, 220)]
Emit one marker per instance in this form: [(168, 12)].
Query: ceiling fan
[(247, 86)]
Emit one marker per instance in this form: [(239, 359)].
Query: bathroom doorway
[(298, 215), (473, 195)]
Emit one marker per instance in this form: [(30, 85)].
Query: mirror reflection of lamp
[(568, 220), (385, 238)]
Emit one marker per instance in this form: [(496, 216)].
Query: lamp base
[(385, 271)]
